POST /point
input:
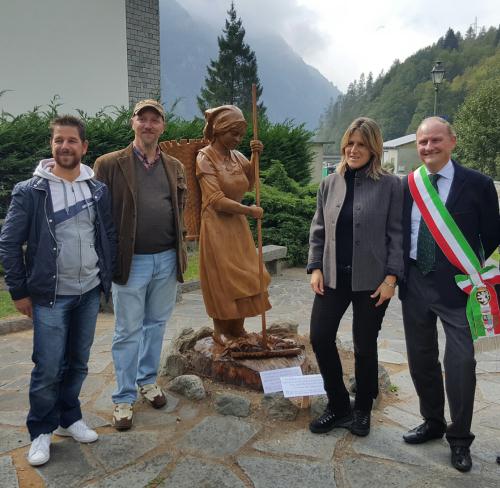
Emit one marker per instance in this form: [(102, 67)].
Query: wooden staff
[(259, 221)]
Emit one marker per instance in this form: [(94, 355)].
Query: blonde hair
[(372, 137)]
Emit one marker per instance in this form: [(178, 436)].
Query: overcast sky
[(343, 38)]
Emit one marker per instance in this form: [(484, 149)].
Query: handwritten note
[(271, 379), (296, 386)]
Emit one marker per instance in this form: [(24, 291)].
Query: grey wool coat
[(377, 229)]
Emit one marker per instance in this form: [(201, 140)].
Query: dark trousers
[(367, 319), (62, 337), (421, 307)]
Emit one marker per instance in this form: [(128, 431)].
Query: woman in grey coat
[(355, 256)]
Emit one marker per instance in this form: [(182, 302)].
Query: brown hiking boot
[(153, 394), (122, 416)]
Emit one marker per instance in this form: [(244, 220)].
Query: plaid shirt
[(142, 157)]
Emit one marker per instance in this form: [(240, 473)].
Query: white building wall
[(72, 48)]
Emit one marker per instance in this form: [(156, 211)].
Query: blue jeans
[(142, 309), (62, 337)]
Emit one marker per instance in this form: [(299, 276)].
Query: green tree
[(478, 129), (229, 78), (400, 98), (450, 40)]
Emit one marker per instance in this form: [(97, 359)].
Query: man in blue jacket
[(63, 216)]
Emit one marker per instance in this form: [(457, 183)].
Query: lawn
[(192, 272), (6, 306)]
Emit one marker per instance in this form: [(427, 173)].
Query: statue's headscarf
[(220, 119)]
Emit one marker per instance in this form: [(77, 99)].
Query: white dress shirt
[(444, 184)]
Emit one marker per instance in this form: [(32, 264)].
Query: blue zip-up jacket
[(30, 220)]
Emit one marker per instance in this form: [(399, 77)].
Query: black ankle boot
[(328, 421), (361, 424)]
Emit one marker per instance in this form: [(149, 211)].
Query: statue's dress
[(229, 267)]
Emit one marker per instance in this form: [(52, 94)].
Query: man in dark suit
[(429, 291)]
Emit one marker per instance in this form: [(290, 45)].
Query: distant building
[(401, 153), (322, 163), (91, 53)]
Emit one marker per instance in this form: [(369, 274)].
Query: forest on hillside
[(399, 99)]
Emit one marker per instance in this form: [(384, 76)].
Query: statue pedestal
[(205, 359)]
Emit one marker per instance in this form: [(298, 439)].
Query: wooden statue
[(229, 266)]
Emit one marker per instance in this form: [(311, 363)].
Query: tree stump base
[(206, 359)]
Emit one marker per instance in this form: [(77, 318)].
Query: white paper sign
[(271, 379), (307, 385)]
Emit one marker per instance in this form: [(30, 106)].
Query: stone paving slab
[(218, 436), (94, 421), (490, 390), (16, 418), (391, 357), (192, 472), (186, 445), (13, 439), (386, 442), (302, 443), (14, 371), (8, 476), (68, 466), (103, 401), (188, 412), (93, 384), (365, 473), (489, 417), (467, 480), (135, 476), (266, 472), (98, 363), (117, 450), (12, 401), (19, 384), (405, 419), (404, 384), (149, 418)]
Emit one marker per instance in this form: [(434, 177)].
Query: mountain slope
[(401, 98), (292, 89)]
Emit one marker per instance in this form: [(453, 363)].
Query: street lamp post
[(437, 75)]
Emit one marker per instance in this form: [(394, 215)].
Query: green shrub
[(288, 200), (24, 141), (288, 211)]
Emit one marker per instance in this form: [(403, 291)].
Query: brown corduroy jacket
[(117, 171)]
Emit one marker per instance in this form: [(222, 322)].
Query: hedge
[(287, 197)]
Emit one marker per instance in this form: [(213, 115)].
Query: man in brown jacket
[(148, 191)]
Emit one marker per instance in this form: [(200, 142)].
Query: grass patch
[(7, 307), (193, 269)]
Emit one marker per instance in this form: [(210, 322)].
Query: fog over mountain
[(292, 88)]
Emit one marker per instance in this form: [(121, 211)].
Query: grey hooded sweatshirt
[(74, 214)]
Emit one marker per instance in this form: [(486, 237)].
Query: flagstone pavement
[(187, 444)]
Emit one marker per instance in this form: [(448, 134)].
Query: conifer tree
[(229, 78), (450, 40)]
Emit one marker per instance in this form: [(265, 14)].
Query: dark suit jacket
[(117, 170), (473, 203)]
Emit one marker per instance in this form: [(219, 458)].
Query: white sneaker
[(80, 431), (40, 450)]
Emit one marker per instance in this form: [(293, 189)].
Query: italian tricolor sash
[(477, 281)]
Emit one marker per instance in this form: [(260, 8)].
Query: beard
[(66, 160)]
